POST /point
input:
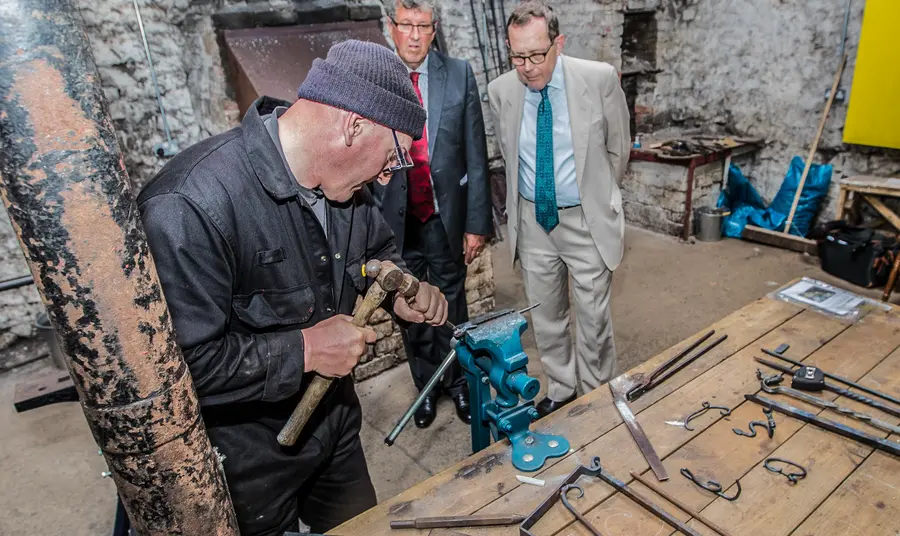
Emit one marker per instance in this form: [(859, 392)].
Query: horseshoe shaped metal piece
[(711, 485), (792, 477), (564, 498), (705, 406)]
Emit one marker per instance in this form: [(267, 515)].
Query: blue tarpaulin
[(748, 207)]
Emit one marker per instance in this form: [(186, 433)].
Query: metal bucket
[(709, 224), (45, 331)]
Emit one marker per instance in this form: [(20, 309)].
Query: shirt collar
[(271, 123), (421, 69)]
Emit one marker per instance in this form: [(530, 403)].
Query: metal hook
[(564, 498), (705, 406), (792, 477), (769, 425), (711, 485)]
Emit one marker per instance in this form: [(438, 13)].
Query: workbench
[(850, 489)]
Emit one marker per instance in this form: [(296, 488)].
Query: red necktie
[(421, 195)]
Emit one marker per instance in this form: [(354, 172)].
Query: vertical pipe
[(69, 200)]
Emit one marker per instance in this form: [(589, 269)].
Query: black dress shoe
[(546, 406), (461, 401), (427, 411)]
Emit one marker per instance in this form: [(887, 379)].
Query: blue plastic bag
[(747, 206)]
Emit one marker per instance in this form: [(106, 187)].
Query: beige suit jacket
[(602, 142)]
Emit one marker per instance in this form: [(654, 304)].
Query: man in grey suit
[(562, 123), (440, 210)]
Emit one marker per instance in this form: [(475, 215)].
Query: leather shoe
[(546, 406), (461, 401), (426, 413)]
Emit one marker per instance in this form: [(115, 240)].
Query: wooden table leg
[(842, 202), (892, 280)]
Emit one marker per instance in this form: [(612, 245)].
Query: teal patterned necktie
[(544, 183)]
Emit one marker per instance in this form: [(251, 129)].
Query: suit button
[(401, 211), (403, 187), (323, 258), (337, 256)]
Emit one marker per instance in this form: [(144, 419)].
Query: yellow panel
[(873, 116)]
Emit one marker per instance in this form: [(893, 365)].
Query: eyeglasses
[(535, 59), (407, 28), (399, 161)]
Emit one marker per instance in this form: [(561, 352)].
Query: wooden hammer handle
[(319, 385)]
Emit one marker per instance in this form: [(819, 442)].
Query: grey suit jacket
[(601, 135), (458, 153)]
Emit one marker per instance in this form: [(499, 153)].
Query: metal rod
[(844, 32), (673, 521), (162, 109), (487, 37), (564, 498), (438, 374), (677, 502), (68, 197), (446, 522), (847, 431), (544, 507), (16, 282), (835, 389), (836, 378), (764, 383), (484, 60)]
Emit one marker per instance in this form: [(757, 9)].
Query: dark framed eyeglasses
[(536, 58), (407, 28), (399, 161)]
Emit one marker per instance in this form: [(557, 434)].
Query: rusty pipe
[(68, 197)]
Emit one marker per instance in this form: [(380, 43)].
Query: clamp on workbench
[(490, 351)]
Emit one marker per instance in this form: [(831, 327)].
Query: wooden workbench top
[(850, 489)]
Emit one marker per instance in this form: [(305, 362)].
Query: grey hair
[(425, 5), (534, 9)]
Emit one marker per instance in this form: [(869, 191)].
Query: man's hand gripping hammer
[(388, 278)]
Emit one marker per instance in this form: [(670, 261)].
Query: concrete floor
[(665, 291)]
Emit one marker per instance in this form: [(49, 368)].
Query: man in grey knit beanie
[(259, 235)]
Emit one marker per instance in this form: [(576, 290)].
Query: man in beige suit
[(562, 124)]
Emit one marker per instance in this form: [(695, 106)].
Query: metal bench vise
[(489, 348)]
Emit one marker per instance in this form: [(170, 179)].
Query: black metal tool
[(770, 384), (792, 477), (711, 485), (564, 498), (847, 431), (769, 425), (705, 406), (481, 520), (555, 495), (834, 377), (644, 383), (831, 387)]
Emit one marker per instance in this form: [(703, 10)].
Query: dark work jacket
[(458, 154), (244, 265)]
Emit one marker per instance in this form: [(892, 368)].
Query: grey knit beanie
[(368, 79)]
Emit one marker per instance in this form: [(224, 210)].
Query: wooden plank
[(841, 204), (723, 384), (779, 240), (882, 209), (873, 185), (721, 455), (769, 505), (467, 486)]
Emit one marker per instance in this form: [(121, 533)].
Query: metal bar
[(643, 381), (650, 383), (438, 374), (835, 377), (564, 498), (828, 404), (835, 389), (616, 387), (620, 486), (867, 439), (67, 194), (446, 522), (16, 282), (688, 202), (677, 502), (162, 109), (544, 507)]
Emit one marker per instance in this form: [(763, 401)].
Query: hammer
[(388, 278)]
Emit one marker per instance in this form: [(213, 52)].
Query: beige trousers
[(547, 262)]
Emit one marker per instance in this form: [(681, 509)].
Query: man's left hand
[(430, 306), (473, 245)]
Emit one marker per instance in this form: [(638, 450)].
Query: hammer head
[(387, 275)]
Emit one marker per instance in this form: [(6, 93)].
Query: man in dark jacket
[(440, 209), (259, 235)]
